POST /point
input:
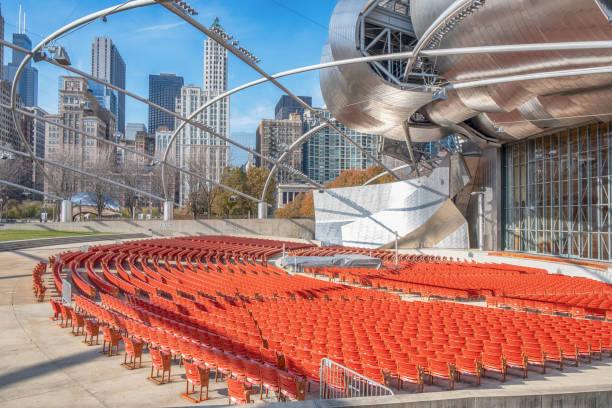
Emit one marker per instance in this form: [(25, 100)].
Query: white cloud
[(249, 121), (161, 27)]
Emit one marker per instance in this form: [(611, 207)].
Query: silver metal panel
[(361, 99), (512, 22), (356, 95), (459, 239)]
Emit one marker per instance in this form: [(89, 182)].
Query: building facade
[(327, 154), (79, 109), (199, 150), (8, 133), (286, 105), (557, 193), (274, 137), (163, 91), (131, 129), (108, 65)]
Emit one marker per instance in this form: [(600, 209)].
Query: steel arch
[(31, 190), (298, 142), (136, 152)]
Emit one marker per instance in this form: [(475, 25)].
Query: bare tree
[(66, 180), (10, 170), (200, 193), (102, 164)]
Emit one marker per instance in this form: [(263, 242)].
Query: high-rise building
[(107, 98), (215, 64), (79, 109), (1, 38), (28, 82), (163, 91), (37, 138), (327, 154), (286, 105), (273, 138), (131, 129), (107, 64), (197, 149)]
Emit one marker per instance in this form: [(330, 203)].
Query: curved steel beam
[(442, 19), (575, 45), (403, 166), (298, 142), (211, 34), (528, 77), (76, 23), (31, 190), (136, 152), (86, 173)]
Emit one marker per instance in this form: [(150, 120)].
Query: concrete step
[(43, 242)]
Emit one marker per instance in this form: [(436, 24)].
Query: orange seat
[(442, 369), (160, 361), (198, 377)]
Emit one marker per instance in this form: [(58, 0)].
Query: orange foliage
[(303, 204)]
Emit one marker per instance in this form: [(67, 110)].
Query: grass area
[(16, 235)]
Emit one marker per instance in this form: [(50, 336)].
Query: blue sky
[(284, 34)]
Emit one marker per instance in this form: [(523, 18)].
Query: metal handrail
[(338, 381)]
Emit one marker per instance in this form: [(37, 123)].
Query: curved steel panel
[(356, 95), (361, 99), (522, 21)]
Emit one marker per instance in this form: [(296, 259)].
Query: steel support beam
[(442, 19), (31, 190), (136, 152), (49, 39), (298, 142), (211, 34), (85, 173)]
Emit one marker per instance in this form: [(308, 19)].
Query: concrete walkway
[(43, 365)]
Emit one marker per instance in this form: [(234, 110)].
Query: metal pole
[(396, 238), (481, 218)]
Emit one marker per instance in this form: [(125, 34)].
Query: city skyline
[(251, 25)]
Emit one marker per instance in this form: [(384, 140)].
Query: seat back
[(129, 346), (440, 368), (236, 390), (156, 359), (269, 375)]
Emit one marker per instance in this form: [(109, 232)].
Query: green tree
[(256, 179), (228, 204)]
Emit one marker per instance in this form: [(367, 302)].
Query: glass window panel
[(605, 246), (563, 141)]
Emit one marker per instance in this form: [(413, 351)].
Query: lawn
[(16, 235)]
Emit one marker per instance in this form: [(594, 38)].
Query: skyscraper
[(35, 134), (273, 138), (163, 91), (287, 105), (28, 82), (107, 64), (197, 149), (1, 38), (215, 64), (327, 154), (131, 129)]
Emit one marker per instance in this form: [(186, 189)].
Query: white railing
[(338, 381)]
